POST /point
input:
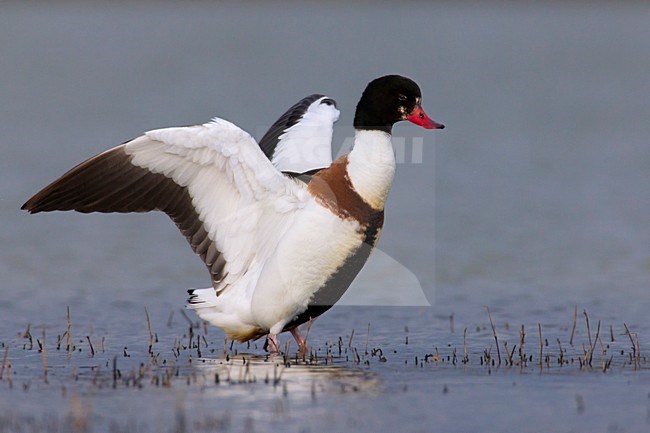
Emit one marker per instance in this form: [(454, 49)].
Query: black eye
[(401, 97)]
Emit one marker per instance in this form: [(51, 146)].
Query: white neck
[(371, 166)]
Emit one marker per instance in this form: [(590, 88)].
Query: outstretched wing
[(300, 141), (212, 180)]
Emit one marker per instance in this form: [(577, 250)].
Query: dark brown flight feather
[(109, 182)]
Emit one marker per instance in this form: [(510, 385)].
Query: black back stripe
[(334, 288)]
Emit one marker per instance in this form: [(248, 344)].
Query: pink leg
[(274, 345), (302, 344)]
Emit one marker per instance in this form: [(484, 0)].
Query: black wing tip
[(41, 203), (31, 206), (329, 101), (307, 100)]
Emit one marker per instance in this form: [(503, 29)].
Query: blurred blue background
[(537, 189)]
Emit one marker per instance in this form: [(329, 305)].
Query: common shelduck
[(280, 250)]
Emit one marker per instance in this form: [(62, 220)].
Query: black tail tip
[(193, 299)]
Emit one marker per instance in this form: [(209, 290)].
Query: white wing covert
[(212, 180), (300, 141)]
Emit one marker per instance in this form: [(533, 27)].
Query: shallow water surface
[(404, 369)]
